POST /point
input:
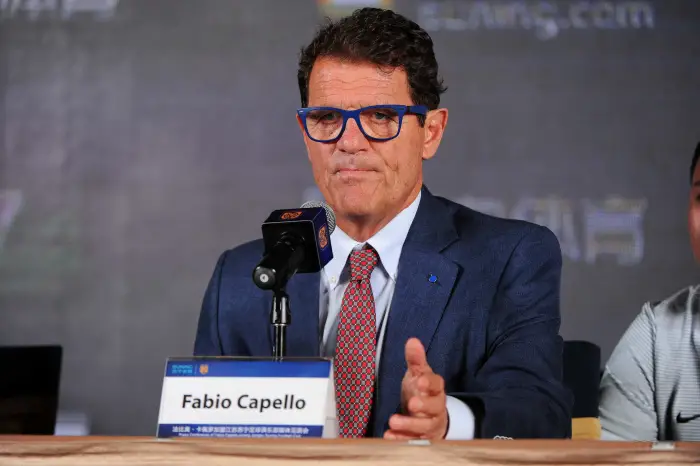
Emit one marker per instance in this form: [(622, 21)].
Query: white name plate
[(240, 397)]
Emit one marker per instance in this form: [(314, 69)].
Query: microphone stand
[(280, 317), (273, 273)]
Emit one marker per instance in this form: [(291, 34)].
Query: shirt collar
[(388, 243)]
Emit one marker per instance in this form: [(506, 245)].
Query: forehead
[(347, 84)]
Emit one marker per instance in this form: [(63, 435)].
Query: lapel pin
[(432, 278)]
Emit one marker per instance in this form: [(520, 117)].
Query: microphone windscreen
[(330, 215)]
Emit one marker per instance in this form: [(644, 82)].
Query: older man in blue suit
[(443, 322)]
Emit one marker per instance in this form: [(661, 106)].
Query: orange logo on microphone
[(323, 237), (291, 215)]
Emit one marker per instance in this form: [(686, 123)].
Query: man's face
[(694, 214), (358, 177)]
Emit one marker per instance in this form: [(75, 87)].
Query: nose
[(352, 140)]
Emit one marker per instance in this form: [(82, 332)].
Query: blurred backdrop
[(141, 138)]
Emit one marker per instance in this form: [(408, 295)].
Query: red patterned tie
[(355, 349)]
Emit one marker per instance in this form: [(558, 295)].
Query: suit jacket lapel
[(419, 301), (303, 330)]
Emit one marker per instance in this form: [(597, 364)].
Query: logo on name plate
[(339, 8), (323, 237), (204, 369), (291, 215)]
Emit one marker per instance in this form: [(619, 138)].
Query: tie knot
[(362, 263)]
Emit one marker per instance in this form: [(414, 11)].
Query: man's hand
[(423, 400)]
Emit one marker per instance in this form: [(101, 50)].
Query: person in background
[(650, 389), (443, 322)]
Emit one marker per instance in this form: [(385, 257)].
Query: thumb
[(415, 357)]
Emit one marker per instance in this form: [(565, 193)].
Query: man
[(459, 311), (650, 388)]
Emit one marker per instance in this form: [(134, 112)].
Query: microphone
[(296, 241)]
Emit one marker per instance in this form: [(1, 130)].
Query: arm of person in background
[(207, 341), (627, 387), (518, 392)]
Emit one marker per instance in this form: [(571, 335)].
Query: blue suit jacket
[(490, 323)]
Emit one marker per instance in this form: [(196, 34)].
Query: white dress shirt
[(388, 243)]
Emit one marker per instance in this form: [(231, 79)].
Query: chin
[(352, 201), (352, 208)]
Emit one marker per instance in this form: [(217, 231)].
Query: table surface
[(134, 451)]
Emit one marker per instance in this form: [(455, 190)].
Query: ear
[(303, 135), (434, 128)]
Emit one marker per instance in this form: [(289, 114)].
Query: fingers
[(406, 428), (422, 397), (430, 384), (395, 435), (415, 357), (426, 406)]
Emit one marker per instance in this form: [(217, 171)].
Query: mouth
[(354, 176), (354, 170)]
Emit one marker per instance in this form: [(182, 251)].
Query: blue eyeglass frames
[(377, 122)]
